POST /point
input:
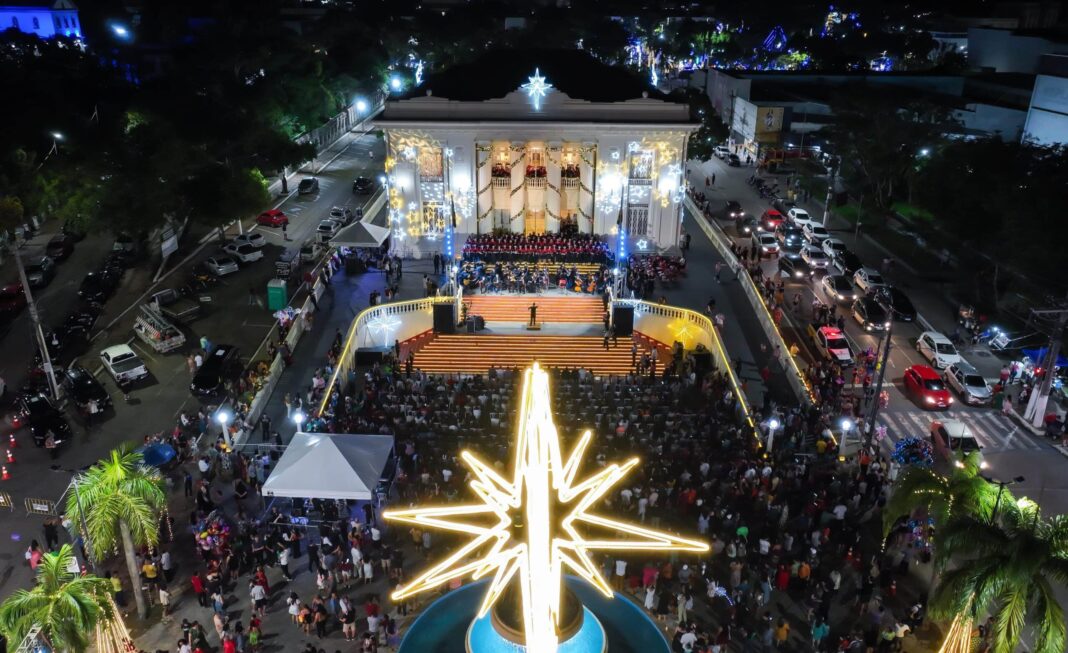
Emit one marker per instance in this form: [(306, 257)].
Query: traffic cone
[(4, 474), (10, 456), (12, 441)]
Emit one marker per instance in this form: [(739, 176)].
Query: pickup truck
[(831, 344), (174, 306), (123, 364)]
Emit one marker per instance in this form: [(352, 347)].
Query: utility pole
[(879, 382), (42, 344), (830, 193), (1036, 406)]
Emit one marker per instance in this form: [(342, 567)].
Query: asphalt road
[(156, 402)]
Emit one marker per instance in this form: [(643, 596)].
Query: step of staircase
[(551, 308), (475, 354)]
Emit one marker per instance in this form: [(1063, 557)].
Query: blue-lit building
[(45, 18)]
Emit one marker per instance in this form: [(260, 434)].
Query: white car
[(937, 348), (815, 233), (969, 383), (221, 266), (254, 239), (952, 439), (122, 363), (327, 228), (838, 288), (721, 151), (800, 217), (337, 213), (244, 253), (832, 247), (868, 280), (815, 257), (766, 243)]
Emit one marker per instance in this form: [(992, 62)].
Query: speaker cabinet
[(623, 320), (444, 318)]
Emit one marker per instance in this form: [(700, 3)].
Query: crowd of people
[(571, 248), (644, 271), (479, 276)]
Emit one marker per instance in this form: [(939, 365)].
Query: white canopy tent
[(360, 234), (330, 466)]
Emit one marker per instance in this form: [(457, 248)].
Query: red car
[(12, 300), (771, 219), (272, 218), (923, 383)]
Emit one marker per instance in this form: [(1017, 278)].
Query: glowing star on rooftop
[(536, 88), (536, 524)]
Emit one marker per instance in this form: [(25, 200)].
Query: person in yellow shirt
[(149, 572), (782, 633)]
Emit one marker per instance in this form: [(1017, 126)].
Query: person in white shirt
[(259, 598), (620, 575), (840, 512), (688, 640)]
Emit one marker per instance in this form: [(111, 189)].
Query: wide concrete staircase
[(552, 309), (475, 354)]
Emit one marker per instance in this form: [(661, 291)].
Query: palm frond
[(1009, 619), (1050, 629), (952, 594)]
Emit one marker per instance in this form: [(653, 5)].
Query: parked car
[(42, 417), (733, 160), (40, 271), (937, 349), (815, 257), (868, 280), (174, 306), (310, 251), (363, 186), (122, 363), (733, 209), (254, 239), (847, 262), (870, 315), (898, 303), (307, 186), (765, 244), (832, 247), (222, 365), (800, 217), (771, 219), (952, 440), (272, 218), (126, 248), (97, 287), (831, 343), (327, 229), (923, 384), (12, 300), (794, 267), (969, 383), (60, 247), (721, 151), (82, 387), (243, 253), (838, 288), (815, 233), (221, 266)]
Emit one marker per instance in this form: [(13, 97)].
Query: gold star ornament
[(536, 524)]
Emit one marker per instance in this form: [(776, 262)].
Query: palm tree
[(1008, 569), (122, 498), (962, 492), (65, 605)]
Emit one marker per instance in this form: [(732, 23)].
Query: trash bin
[(277, 294)]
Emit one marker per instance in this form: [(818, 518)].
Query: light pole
[(773, 424), (847, 426), (222, 416), (830, 192), (882, 373), (298, 418), (1001, 488)]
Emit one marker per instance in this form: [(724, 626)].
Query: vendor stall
[(331, 466)]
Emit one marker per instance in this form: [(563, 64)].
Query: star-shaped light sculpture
[(535, 525), (536, 88)]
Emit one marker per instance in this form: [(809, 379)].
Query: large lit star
[(536, 88), (536, 524)]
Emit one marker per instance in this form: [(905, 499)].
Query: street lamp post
[(222, 416), (830, 193), (773, 424), (870, 429), (298, 418), (1001, 488), (847, 426)]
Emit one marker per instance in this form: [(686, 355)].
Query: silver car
[(968, 383), (221, 265)]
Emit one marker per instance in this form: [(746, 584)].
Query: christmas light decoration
[(529, 526), (536, 88)]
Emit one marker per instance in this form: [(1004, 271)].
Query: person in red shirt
[(228, 644), (198, 588)]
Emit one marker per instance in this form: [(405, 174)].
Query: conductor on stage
[(533, 314)]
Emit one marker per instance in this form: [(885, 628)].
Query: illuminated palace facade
[(534, 160)]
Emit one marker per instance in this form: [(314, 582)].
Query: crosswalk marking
[(994, 431)]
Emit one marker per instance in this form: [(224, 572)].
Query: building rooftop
[(573, 72)]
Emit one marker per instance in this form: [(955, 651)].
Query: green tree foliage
[(122, 498), (66, 605)]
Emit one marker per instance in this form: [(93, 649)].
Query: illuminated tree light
[(550, 543)]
